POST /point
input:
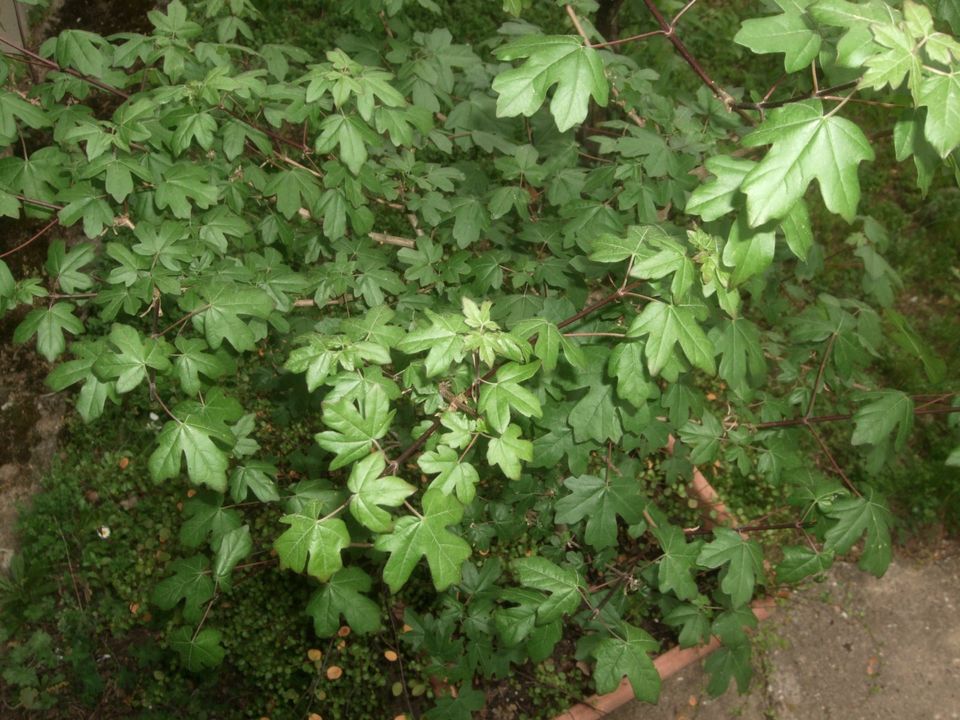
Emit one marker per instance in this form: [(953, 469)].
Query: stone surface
[(852, 647)]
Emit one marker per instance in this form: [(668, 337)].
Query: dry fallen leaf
[(124, 462), (873, 665)]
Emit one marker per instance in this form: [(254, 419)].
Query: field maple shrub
[(511, 270)]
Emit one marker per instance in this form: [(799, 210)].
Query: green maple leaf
[(900, 60), (611, 248), (426, 536), (806, 145), (234, 546), (343, 595), (715, 199), (294, 189), (443, 339), (82, 201), (498, 396), (508, 450), (354, 428), (797, 230), (601, 501), (801, 562), (693, 622), (453, 475), (219, 315), (741, 560), (128, 366), (322, 354), (550, 341), (741, 355), (83, 51), (190, 582), (633, 385), (191, 435), (163, 244), (94, 393), (257, 476), (675, 571), (666, 325), (311, 542), (940, 94), (595, 416), (351, 134), (888, 410), (64, 267), (559, 60), (628, 656), (218, 224), (463, 706), (191, 361), (704, 437), (200, 127), (197, 650), (13, 108), (727, 663), (205, 515), (564, 586), (855, 517), (371, 489), (181, 183), (749, 252), (787, 33), (49, 324)]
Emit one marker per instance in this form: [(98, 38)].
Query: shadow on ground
[(853, 647)]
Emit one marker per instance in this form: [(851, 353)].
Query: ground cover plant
[(408, 320)]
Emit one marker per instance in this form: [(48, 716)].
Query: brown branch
[(833, 461), (817, 94), (386, 239), (796, 422), (69, 71), (669, 32), (820, 370), (632, 114), (796, 525), (39, 203), (40, 233)]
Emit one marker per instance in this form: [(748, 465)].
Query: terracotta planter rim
[(668, 663), (676, 659)]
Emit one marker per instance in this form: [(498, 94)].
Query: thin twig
[(833, 461), (26, 242), (69, 71), (816, 94), (820, 370), (632, 114), (39, 203), (795, 525), (669, 31), (385, 239), (839, 417)]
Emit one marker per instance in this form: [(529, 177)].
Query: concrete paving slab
[(852, 647)]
